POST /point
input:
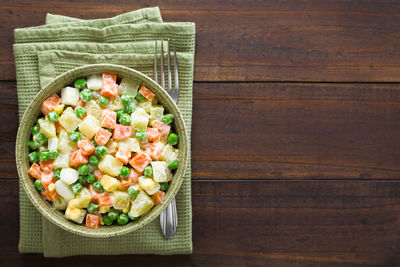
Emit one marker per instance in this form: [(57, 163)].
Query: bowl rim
[(22, 163)]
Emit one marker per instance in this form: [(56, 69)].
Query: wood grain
[(279, 223), (264, 41)]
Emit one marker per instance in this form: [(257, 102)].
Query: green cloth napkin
[(44, 52)]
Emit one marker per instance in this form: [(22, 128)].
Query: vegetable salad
[(103, 151)]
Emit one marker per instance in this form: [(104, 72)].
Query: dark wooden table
[(296, 131)]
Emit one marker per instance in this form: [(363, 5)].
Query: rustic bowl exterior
[(33, 111)]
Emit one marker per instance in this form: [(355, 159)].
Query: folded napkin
[(44, 52)]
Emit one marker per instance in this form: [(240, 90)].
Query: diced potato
[(146, 105), (47, 128), (110, 165), (59, 108), (64, 190), (62, 161), (128, 86), (115, 103), (89, 126), (69, 175), (83, 198), (69, 120), (149, 185), (52, 144), (142, 204), (131, 143), (156, 113), (60, 203), (94, 82), (112, 147), (75, 214), (169, 153), (121, 200), (161, 173), (51, 187), (64, 144), (92, 108), (109, 183), (140, 119), (70, 96)]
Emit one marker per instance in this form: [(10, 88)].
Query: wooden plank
[(265, 41), (279, 223), (278, 131)]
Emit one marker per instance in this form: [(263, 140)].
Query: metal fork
[(169, 217)]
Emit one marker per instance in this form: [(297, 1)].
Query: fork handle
[(169, 220)]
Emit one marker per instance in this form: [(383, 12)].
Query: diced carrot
[(122, 132), (110, 76), (154, 150), (47, 178), (35, 171), (163, 128), (153, 134), (140, 161), (86, 146), (109, 89), (92, 221), (146, 92), (130, 180), (81, 103), (58, 126), (98, 174), (51, 196), (108, 118), (158, 197), (105, 199), (94, 194), (50, 104), (77, 158), (47, 166), (102, 136), (123, 154)]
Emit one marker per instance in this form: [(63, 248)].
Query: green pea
[(80, 112), (90, 178), (41, 139), (94, 161), (133, 218), (35, 129), (98, 186), (141, 135), (173, 165), (33, 145), (173, 139), (107, 220), (80, 83), (139, 97), (33, 157), (108, 129), (44, 156), (53, 116), (123, 219), (164, 186), (94, 142), (126, 99), (92, 208), (100, 151), (74, 136), (148, 171), (133, 191), (120, 113), (83, 169), (167, 118), (38, 185), (124, 172), (86, 95), (53, 154), (130, 108), (125, 119), (82, 179), (56, 173), (103, 101), (76, 188), (113, 213)]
